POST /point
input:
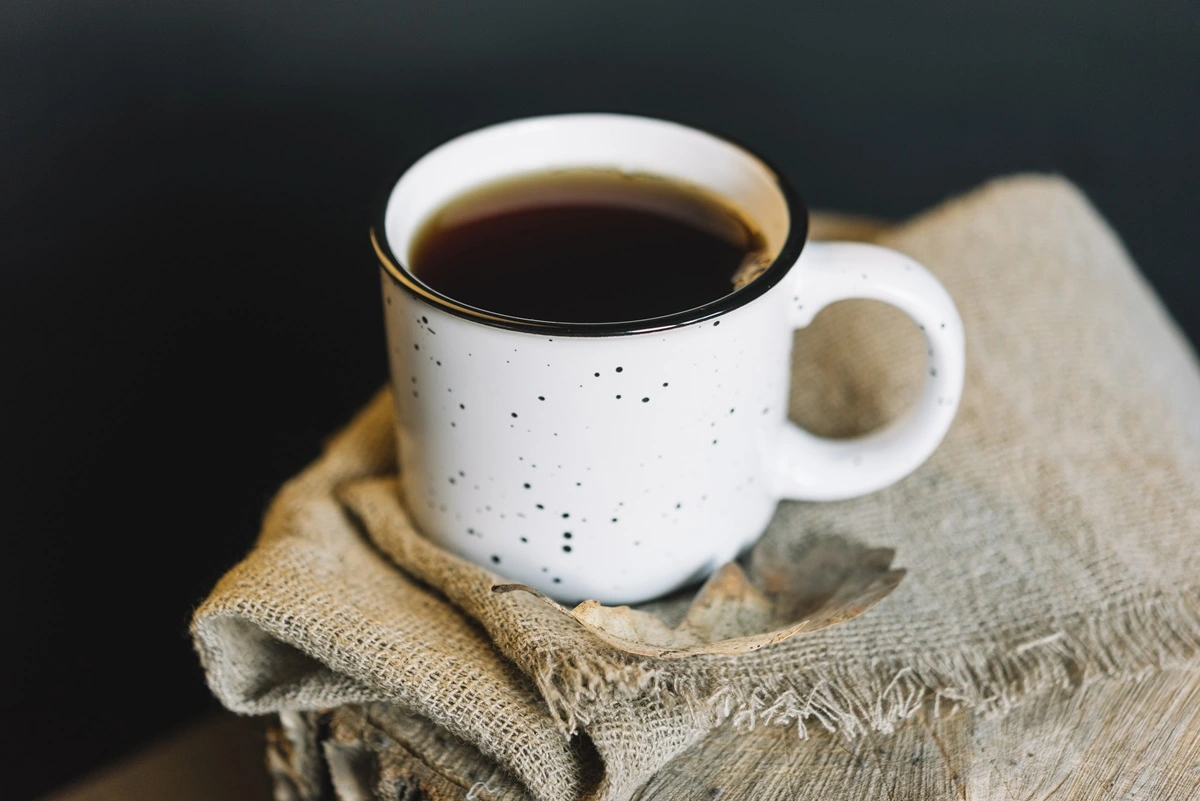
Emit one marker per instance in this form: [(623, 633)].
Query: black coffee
[(584, 246)]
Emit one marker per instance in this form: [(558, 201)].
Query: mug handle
[(813, 468)]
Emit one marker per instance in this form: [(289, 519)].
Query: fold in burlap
[(1050, 542)]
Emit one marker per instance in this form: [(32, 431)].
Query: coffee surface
[(584, 246)]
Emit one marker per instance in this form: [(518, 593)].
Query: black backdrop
[(189, 302)]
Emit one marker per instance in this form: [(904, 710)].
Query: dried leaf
[(828, 582)]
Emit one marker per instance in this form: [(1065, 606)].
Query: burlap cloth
[(1051, 546)]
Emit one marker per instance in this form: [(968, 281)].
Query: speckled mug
[(619, 461)]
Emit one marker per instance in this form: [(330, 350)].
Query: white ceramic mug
[(619, 461)]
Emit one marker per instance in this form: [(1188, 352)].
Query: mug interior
[(598, 141)]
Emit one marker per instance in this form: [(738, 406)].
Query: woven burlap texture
[(1049, 542)]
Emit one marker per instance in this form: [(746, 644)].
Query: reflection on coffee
[(584, 246)]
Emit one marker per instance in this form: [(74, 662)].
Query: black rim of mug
[(783, 262)]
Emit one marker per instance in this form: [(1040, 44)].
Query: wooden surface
[(1145, 745), (1114, 740)]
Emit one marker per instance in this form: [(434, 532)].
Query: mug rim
[(785, 259)]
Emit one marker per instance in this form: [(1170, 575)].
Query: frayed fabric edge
[(1131, 640)]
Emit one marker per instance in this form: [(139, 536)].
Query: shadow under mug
[(619, 461)]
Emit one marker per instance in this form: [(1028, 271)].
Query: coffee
[(582, 245)]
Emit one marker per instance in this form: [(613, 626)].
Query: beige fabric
[(1050, 542), (1111, 740)]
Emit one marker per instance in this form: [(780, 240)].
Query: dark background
[(188, 303)]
